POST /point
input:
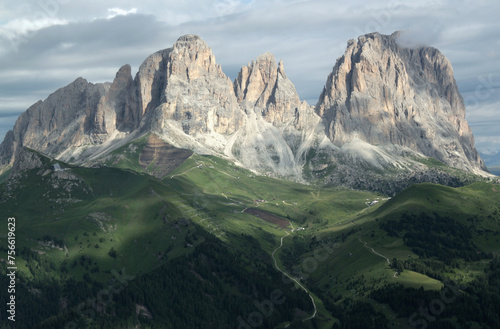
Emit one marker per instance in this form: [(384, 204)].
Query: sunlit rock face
[(185, 84), (382, 93), (384, 107)]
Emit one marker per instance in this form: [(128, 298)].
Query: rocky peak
[(263, 87), (66, 118), (190, 41), (382, 105), (150, 81), (382, 93), (189, 59), (192, 58), (186, 87), (118, 109), (256, 81)]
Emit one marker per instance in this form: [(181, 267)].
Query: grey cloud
[(87, 43), (308, 35), (418, 36)]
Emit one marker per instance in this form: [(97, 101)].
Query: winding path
[(376, 253), (373, 251), (184, 172), (293, 279)]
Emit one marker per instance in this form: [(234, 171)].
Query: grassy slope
[(460, 203), (132, 207), (357, 274), (353, 270), (212, 193), (477, 203), (207, 191)]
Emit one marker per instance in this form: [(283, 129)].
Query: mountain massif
[(136, 203), (384, 111)]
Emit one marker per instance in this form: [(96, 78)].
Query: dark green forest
[(210, 288)]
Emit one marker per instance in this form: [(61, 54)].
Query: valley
[(337, 245)]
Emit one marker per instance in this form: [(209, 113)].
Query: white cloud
[(25, 26), (113, 12)]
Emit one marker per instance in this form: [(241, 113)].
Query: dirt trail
[(292, 278), (376, 253)]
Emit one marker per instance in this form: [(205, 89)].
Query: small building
[(57, 167), (374, 202)]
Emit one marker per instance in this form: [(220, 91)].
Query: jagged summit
[(194, 56), (381, 93), (189, 38), (382, 107), (195, 96), (192, 42), (281, 69), (262, 86)]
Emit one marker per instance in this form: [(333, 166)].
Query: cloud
[(25, 26), (113, 12), (56, 55), (86, 45), (419, 36), (93, 41)]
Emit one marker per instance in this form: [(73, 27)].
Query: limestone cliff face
[(182, 84), (279, 128), (382, 94), (150, 81), (383, 107), (119, 107), (79, 114), (263, 87), (190, 88), (66, 117)]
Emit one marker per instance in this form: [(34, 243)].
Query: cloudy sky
[(46, 44)]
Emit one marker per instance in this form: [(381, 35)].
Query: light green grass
[(416, 280)]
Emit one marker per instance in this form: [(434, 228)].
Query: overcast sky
[(46, 44)]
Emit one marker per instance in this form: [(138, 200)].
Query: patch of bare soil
[(268, 217)]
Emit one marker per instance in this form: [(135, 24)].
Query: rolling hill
[(77, 228)]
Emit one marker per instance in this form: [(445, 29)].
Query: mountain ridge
[(378, 111)]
